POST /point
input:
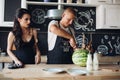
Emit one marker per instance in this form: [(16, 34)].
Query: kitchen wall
[(106, 41)]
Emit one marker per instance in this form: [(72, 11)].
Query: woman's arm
[(38, 54), (10, 41)]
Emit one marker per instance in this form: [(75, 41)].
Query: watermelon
[(79, 57)]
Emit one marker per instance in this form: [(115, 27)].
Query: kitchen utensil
[(54, 70), (14, 66), (54, 14), (75, 72), (79, 1)]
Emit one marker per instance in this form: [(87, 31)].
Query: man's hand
[(72, 43)]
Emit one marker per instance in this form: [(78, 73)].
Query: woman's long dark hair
[(17, 31)]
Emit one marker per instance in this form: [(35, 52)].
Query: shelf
[(82, 4), (41, 3), (56, 3)]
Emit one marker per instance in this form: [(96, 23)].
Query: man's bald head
[(70, 10)]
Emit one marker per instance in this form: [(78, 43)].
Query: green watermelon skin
[(79, 57)]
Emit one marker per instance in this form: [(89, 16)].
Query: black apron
[(62, 52)]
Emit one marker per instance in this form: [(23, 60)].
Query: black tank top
[(26, 53)]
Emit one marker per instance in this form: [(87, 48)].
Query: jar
[(46, 0), (60, 1), (79, 1), (69, 1), (89, 63), (95, 61)]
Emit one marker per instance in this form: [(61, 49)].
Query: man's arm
[(62, 33)]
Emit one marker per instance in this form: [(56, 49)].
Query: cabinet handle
[(114, 26), (101, 1)]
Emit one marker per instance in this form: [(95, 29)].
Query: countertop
[(35, 72), (7, 59), (102, 59)]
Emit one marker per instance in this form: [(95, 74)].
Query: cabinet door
[(112, 15), (108, 17), (7, 11), (99, 1)]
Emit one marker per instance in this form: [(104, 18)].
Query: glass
[(69, 1), (79, 1)]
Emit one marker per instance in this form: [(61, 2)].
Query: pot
[(54, 14)]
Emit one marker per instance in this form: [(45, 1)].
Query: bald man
[(61, 41)]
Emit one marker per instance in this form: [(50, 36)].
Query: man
[(61, 41)]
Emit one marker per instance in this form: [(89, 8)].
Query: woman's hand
[(17, 62), (37, 59)]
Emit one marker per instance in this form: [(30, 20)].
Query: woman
[(22, 40)]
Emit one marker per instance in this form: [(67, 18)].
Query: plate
[(76, 72), (54, 70)]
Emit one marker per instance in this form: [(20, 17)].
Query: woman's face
[(24, 21)]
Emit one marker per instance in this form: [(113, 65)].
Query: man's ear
[(63, 15)]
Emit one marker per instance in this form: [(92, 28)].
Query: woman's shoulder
[(33, 29), (11, 33)]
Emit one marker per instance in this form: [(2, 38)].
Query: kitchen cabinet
[(7, 11), (99, 2), (116, 1), (108, 17)]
